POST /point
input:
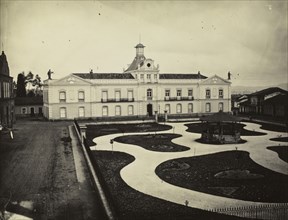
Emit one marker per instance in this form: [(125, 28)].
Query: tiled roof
[(278, 99), (37, 100), (134, 65), (181, 76), (268, 91), (104, 75)]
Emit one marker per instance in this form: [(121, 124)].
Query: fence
[(97, 178), (278, 211)]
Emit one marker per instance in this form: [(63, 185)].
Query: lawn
[(105, 129), (282, 152), (153, 142), (245, 179), (199, 127)]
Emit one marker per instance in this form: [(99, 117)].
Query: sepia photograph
[(143, 110)]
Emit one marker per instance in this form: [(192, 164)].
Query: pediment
[(215, 80), (71, 80)]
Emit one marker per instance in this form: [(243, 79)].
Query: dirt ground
[(37, 168)]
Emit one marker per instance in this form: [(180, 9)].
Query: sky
[(247, 38)]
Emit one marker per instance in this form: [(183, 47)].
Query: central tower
[(139, 50)]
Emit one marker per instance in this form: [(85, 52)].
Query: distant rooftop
[(269, 91)]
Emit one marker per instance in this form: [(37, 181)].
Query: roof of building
[(36, 100), (181, 76), (278, 99), (220, 117), (104, 75), (130, 76), (4, 67), (268, 91), (138, 60), (139, 46)]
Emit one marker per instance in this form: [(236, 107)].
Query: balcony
[(178, 98), (118, 100)]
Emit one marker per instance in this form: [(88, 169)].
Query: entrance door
[(32, 111), (149, 109)]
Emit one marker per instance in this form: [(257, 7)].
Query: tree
[(28, 80), (21, 86)]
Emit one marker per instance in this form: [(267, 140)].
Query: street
[(37, 167)]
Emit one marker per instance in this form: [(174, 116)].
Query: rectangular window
[(148, 76), (81, 112), (105, 111), (220, 93), (104, 96), (155, 76), (208, 94), (167, 92), (81, 96), (130, 95), (62, 96), (130, 110), (117, 95), (118, 110), (141, 76), (149, 94), (208, 107), (179, 92), (190, 92), (63, 112)]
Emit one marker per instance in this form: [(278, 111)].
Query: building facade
[(141, 90), (267, 102), (29, 106), (7, 117)]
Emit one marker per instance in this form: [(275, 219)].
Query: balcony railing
[(118, 100), (178, 98)]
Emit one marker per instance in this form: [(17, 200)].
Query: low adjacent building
[(267, 102), (140, 91), (29, 106)]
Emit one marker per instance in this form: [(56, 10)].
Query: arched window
[(117, 110), (221, 106), (105, 111), (167, 108), (130, 110), (208, 107), (81, 112), (63, 113), (179, 108), (190, 107)]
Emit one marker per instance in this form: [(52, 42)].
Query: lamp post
[(111, 142)]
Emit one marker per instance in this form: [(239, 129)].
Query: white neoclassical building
[(141, 90)]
